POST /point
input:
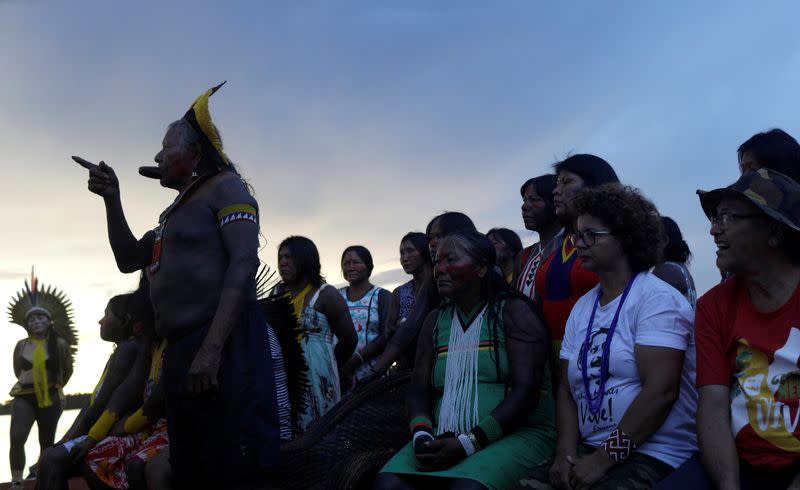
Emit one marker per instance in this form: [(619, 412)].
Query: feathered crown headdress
[(199, 118), (35, 298)]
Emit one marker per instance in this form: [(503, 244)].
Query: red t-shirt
[(560, 282), (756, 355)]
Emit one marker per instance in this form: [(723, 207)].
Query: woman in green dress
[(480, 402)]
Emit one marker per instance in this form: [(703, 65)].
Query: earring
[(194, 172)]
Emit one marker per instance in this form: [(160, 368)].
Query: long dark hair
[(420, 243), (134, 308), (774, 149), (494, 287), (676, 250), (509, 237), (592, 169), (543, 185), (450, 222), (305, 257)]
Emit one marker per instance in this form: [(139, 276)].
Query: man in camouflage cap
[(772, 192), (747, 333)]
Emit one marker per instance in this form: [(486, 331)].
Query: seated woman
[(626, 402), (126, 318), (672, 267), (42, 365), (323, 315), (404, 341), (507, 246), (118, 461), (481, 411), (368, 306)]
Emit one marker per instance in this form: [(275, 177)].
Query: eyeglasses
[(589, 237), (724, 219)]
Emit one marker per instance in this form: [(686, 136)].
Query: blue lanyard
[(595, 402)]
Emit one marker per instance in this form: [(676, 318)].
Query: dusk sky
[(357, 122)]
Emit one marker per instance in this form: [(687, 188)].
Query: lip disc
[(150, 172)]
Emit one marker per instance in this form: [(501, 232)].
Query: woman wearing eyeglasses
[(626, 401)]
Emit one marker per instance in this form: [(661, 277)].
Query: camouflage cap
[(775, 194)]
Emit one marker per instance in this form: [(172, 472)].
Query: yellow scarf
[(297, 301), (40, 384)]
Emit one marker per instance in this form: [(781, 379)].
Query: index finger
[(84, 163)]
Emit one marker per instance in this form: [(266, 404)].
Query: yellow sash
[(40, 385)]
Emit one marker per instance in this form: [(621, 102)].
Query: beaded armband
[(421, 423)]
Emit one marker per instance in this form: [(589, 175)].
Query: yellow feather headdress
[(199, 118)]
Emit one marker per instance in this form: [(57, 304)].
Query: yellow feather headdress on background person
[(50, 301), (199, 118)]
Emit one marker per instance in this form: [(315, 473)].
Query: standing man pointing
[(201, 260)]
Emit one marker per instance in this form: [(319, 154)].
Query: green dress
[(505, 461)]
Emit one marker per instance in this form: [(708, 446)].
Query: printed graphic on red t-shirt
[(759, 355)]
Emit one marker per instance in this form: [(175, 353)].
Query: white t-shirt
[(654, 314)]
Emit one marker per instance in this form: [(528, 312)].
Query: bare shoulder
[(229, 186), (517, 308), (521, 320), (20, 345), (330, 295)]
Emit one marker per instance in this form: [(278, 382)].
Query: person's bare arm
[(526, 342), (66, 360), (335, 310), (419, 393), (393, 315), (384, 306), (420, 404), (125, 398), (130, 254), (407, 331), (672, 275), (240, 239), (121, 365), (128, 394), (17, 358), (660, 371), (717, 447)]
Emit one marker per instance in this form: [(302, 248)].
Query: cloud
[(393, 276), (12, 274)]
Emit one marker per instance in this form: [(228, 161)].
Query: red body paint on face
[(454, 270), (460, 273)]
